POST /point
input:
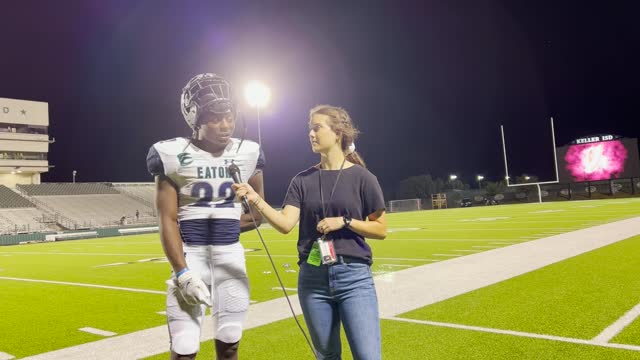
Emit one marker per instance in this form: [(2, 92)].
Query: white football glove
[(193, 290)]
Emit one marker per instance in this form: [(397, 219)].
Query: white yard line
[(394, 265), (287, 288), (374, 258), (113, 264), (447, 255), (397, 293), (5, 356), (85, 285), (520, 334), (614, 329), (75, 253), (95, 331)]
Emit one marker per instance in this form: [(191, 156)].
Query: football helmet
[(206, 93)]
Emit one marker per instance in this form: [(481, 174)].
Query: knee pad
[(185, 345), (229, 333)]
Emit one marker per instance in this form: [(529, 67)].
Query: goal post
[(537, 184), (405, 205)]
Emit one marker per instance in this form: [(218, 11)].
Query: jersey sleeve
[(154, 162), (261, 161), (372, 197)]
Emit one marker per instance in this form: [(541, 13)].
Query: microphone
[(234, 171)]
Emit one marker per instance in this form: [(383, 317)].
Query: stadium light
[(74, 176), (527, 177), (479, 177), (453, 177), (258, 96)]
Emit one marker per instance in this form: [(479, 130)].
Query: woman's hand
[(328, 225), (245, 189)]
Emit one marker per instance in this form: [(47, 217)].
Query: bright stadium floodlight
[(479, 177), (258, 96), (453, 177), (527, 177)]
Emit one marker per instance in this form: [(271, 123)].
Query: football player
[(200, 221)]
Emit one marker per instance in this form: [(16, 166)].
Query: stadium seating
[(10, 199), (101, 210), (18, 220), (92, 205), (55, 189), (144, 192)]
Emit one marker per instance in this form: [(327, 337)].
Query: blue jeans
[(339, 293)]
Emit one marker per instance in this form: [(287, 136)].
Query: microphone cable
[(235, 172)]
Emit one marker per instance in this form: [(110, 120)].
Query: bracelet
[(255, 204), (179, 273)]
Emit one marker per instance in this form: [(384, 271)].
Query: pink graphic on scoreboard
[(596, 161)]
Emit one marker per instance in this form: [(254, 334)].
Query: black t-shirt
[(357, 194)]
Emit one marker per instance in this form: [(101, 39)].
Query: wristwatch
[(347, 220)]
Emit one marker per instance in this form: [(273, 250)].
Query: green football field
[(50, 291)]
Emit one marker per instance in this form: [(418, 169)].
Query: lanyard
[(324, 211)]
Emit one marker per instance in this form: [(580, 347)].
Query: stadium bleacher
[(91, 205), (10, 199), (24, 220), (99, 210), (144, 192), (52, 189)]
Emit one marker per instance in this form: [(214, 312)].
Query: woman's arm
[(246, 222), (283, 221), (374, 228)]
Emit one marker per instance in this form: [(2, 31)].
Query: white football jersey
[(207, 211)]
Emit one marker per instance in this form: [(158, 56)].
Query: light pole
[(258, 96), (452, 177), (479, 178), (74, 176)]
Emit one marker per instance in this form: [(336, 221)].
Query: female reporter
[(339, 203)]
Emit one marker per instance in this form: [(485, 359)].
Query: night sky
[(427, 82)]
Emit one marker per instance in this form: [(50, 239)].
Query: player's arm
[(246, 222), (193, 290), (167, 204), (283, 221)]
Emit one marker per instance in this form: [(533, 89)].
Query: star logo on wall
[(23, 112)]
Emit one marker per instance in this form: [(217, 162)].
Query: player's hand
[(245, 189), (193, 290), (328, 225)]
